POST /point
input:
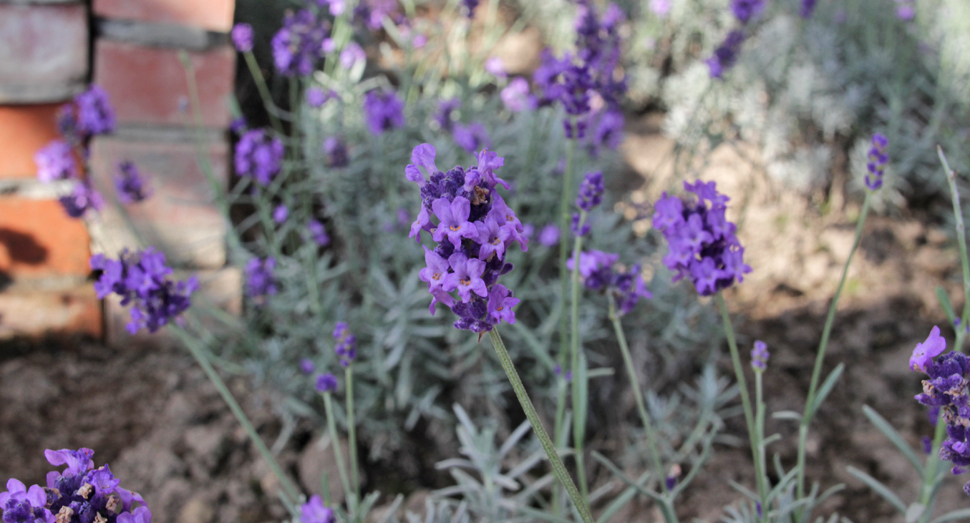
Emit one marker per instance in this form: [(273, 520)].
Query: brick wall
[(49, 51)]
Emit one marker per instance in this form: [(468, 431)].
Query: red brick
[(180, 217), (23, 130), (43, 51), (33, 312), (148, 85), (38, 239), (217, 289), (214, 15)]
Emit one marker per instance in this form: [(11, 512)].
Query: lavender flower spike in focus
[(475, 229), (759, 356), (876, 165), (346, 347), (947, 390), (702, 243), (80, 493), (132, 187), (591, 191), (140, 279)]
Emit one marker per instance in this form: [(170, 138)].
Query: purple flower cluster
[(260, 281), (140, 279), (947, 390), (905, 10), (475, 229), (571, 79), (470, 6), (346, 347), (759, 356), (516, 96), (607, 132), (316, 97), (90, 114), (298, 44), (372, 13), (442, 115), (242, 37), (702, 242), (318, 233), (471, 137), (259, 155), (281, 213), (745, 10), (313, 510), (807, 8), (726, 54), (590, 195), (876, 165), (549, 235), (131, 186), (78, 494), (326, 382), (598, 271), (383, 110)]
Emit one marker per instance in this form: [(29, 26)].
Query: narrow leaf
[(879, 488), (894, 437)]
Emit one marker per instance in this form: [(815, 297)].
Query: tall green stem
[(352, 430), (263, 90), (293, 493), (579, 408), (669, 515), (951, 179), (530, 412), (759, 422), (745, 398), (820, 356), (337, 453)]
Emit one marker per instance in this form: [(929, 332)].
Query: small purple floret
[(259, 155), (131, 186), (383, 111), (242, 37)]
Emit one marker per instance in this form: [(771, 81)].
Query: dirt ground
[(164, 430)]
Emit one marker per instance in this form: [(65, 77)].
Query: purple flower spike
[(515, 96), (759, 356), (454, 222), (383, 110), (94, 112), (131, 186), (318, 233), (307, 366), (745, 10), (701, 240), (313, 511), (549, 235), (260, 281), (471, 137), (878, 158), (297, 45), (726, 54), (924, 352), (326, 382), (591, 191), (83, 198), (242, 37), (346, 347), (280, 213), (56, 162), (259, 155)]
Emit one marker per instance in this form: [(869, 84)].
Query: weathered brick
[(23, 130), (148, 85), (180, 217), (31, 311), (39, 240), (43, 52), (220, 289), (214, 15)]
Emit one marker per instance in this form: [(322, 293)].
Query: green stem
[(929, 473), (951, 179), (335, 442), (530, 412), (289, 487), (641, 407), (263, 90), (745, 398), (823, 344), (352, 430), (579, 408), (759, 422)]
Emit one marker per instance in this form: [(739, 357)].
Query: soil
[(153, 416)]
